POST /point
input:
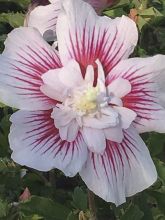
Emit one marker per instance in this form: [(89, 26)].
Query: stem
[(92, 207)]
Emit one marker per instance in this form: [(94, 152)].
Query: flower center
[(87, 102)]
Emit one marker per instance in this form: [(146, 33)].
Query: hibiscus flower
[(82, 107)]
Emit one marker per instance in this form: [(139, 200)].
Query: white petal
[(36, 143), (71, 74), (109, 118), (64, 78), (95, 139), (25, 58), (52, 82), (101, 78), (89, 76), (53, 93), (147, 78), (44, 18), (101, 74), (62, 117), (116, 101), (127, 116), (119, 87), (70, 131), (86, 37), (66, 123), (114, 134), (123, 170)]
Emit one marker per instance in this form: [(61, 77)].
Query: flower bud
[(25, 195)]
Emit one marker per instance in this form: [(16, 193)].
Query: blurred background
[(26, 194)]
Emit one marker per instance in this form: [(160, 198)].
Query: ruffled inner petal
[(95, 139)]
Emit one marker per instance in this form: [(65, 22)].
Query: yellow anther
[(88, 101)]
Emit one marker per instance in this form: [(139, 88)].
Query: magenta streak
[(111, 77), (111, 63), (92, 155), (67, 150), (110, 155), (129, 71), (137, 100), (129, 75), (73, 48), (56, 63), (113, 149), (88, 52), (74, 145), (41, 58), (138, 123), (127, 142), (25, 73), (84, 40), (38, 65), (101, 44), (25, 81), (53, 145), (90, 49), (78, 47), (35, 66), (141, 91), (34, 86), (103, 163), (45, 140), (49, 131)]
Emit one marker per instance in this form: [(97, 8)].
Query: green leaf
[(32, 217), (147, 15), (3, 208), (139, 4), (150, 12), (155, 143), (133, 213), (141, 22), (160, 198), (153, 35), (1, 104), (72, 216), (117, 12), (44, 207), (160, 166), (80, 199), (121, 4), (22, 3), (14, 19), (4, 131), (144, 203)]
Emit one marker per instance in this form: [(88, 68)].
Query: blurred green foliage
[(55, 197)]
